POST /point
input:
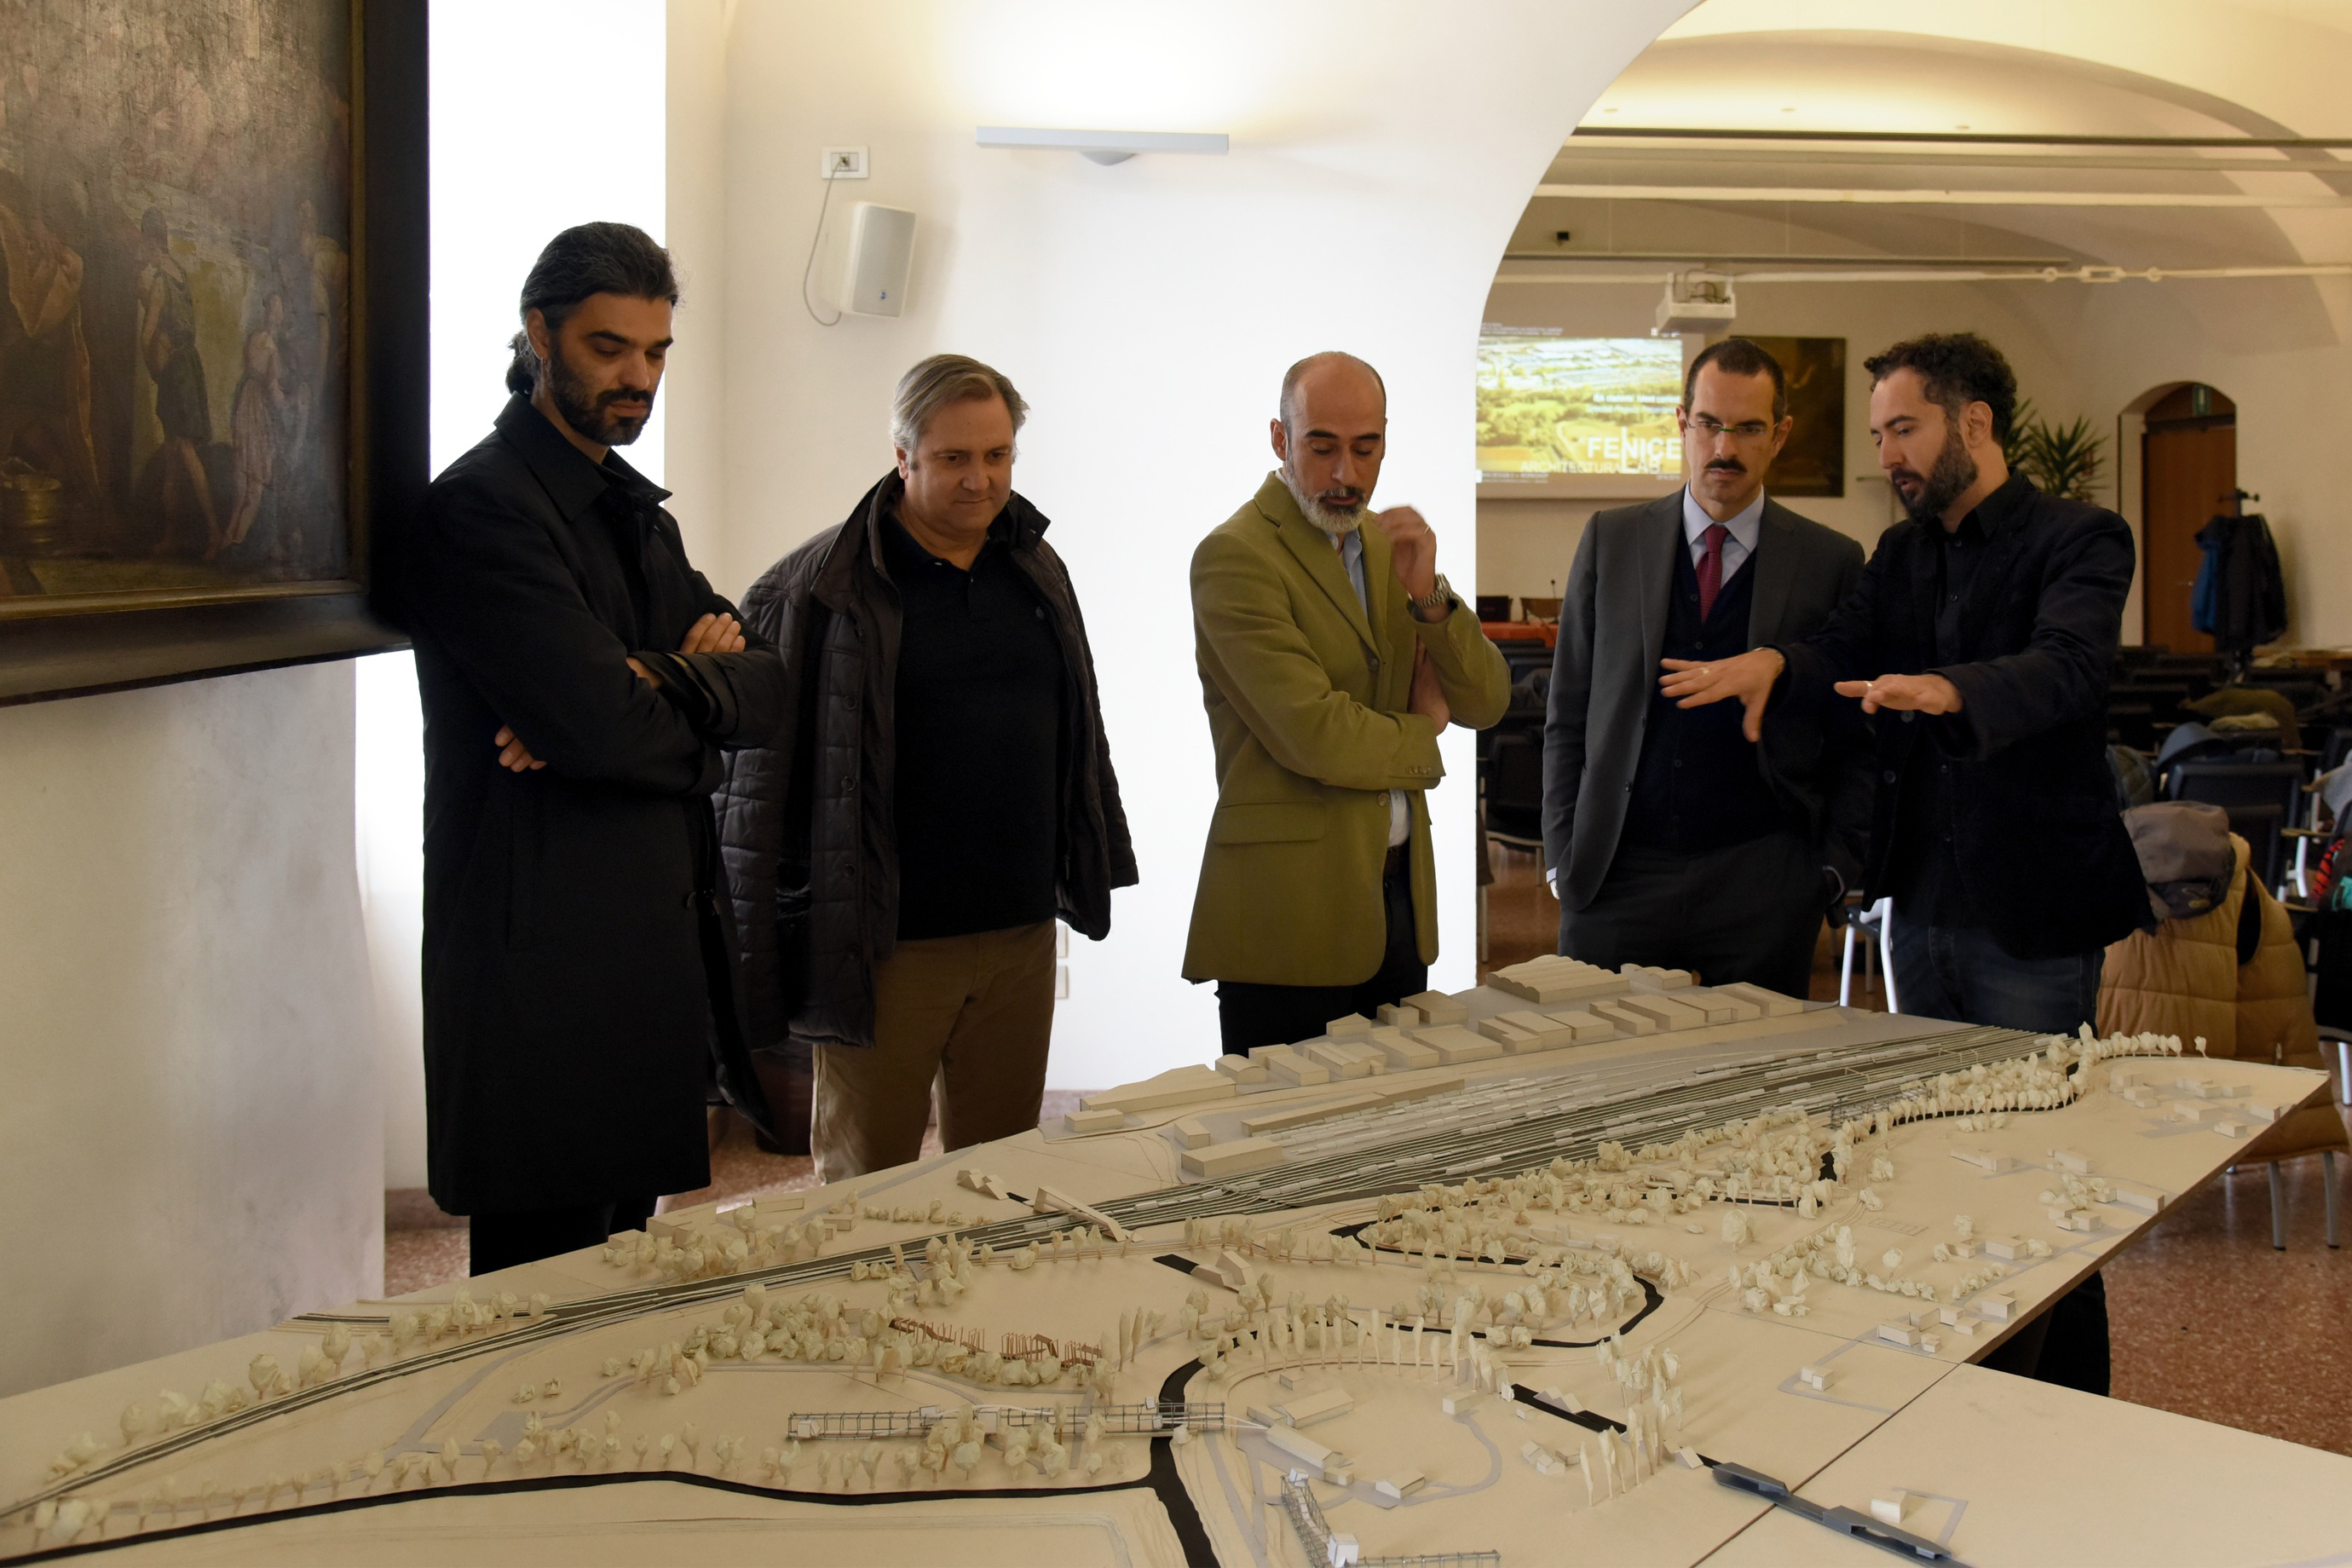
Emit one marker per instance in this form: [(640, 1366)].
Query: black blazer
[(572, 998), (2040, 840), (1613, 627)]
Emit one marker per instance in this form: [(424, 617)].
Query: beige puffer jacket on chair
[(2184, 979)]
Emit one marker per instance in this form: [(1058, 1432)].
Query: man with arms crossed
[(1331, 656), (579, 997), (1980, 638), (900, 852), (1672, 840)]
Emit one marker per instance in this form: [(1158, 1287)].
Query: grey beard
[(1338, 524)]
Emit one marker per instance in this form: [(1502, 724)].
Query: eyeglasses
[(1708, 429)]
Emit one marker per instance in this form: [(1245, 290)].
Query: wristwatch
[(1441, 594)]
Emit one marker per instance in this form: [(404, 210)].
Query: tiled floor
[(2208, 1321)]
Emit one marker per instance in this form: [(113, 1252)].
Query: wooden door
[(2189, 471)]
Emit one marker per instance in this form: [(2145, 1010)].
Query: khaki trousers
[(968, 1018)]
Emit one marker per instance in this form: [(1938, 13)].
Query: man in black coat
[(578, 995), (1981, 636), (1671, 840)]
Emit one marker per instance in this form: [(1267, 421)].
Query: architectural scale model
[(1494, 1278)]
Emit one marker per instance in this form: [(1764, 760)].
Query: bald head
[(1331, 435), (1331, 374)]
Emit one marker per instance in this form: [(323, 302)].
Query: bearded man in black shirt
[(898, 855)]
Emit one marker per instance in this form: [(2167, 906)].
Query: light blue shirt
[(1352, 554), (1745, 526)]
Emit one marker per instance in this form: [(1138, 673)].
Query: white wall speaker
[(881, 250)]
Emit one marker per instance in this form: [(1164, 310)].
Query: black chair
[(1513, 775), (1493, 607), (2262, 798)]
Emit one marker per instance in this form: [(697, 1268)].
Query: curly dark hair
[(590, 259), (1955, 369)]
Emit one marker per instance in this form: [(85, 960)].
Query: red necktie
[(1710, 568)]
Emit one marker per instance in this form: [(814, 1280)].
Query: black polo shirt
[(1926, 877), (979, 699)]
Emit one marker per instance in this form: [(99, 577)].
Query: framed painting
[(1813, 462), (213, 331)]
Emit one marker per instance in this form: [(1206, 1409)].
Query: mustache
[(1726, 465), (1344, 494)]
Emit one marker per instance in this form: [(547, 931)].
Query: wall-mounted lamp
[(1105, 146)]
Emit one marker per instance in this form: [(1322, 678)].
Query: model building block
[(1773, 1004), (1288, 1067), (1455, 1044), (1290, 1116), (1899, 1332), (1354, 1027), (1891, 1507), (1323, 1404), (1439, 1008), (1298, 1446), (1461, 1402), (1584, 1026), (1657, 978), (1343, 1061), (1670, 1014), (1404, 1053), (1626, 1020), (1241, 1069), (1237, 1158), (1400, 1484), (1510, 1037), (1399, 1014), (2072, 1159), (1193, 1133), (2008, 1249), (1554, 979), (2138, 1202), (1997, 1306), (1985, 1160), (1543, 1026), (1814, 1378), (1720, 1008), (1228, 1268), (2232, 1126), (1104, 1121), (1178, 1086)]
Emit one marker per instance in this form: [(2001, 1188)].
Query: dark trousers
[(1750, 913), (525, 1235), (1961, 973), (1250, 1015)]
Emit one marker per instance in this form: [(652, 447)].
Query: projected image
[(1577, 405)]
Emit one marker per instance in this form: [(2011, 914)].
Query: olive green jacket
[(1306, 700)]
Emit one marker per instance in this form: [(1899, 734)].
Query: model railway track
[(1527, 1124)]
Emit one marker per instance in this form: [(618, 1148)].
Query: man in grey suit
[(1671, 840)]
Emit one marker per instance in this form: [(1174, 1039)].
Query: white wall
[(190, 1116), (1381, 154), (521, 150)]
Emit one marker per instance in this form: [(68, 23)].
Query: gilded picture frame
[(214, 295)]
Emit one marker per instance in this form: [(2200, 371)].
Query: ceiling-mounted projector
[(1696, 301)]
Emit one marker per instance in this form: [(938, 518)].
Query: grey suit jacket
[(1613, 627)]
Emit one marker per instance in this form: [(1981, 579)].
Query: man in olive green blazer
[(1331, 656)]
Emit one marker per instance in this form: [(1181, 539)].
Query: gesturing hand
[(712, 634), (1749, 676), (1903, 693), (1428, 697), (513, 755), (1413, 549)]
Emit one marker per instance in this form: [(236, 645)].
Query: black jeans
[(1251, 1015), (1961, 973), (525, 1235), (1751, 911)]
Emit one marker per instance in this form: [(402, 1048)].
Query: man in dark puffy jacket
[(942, 791)]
